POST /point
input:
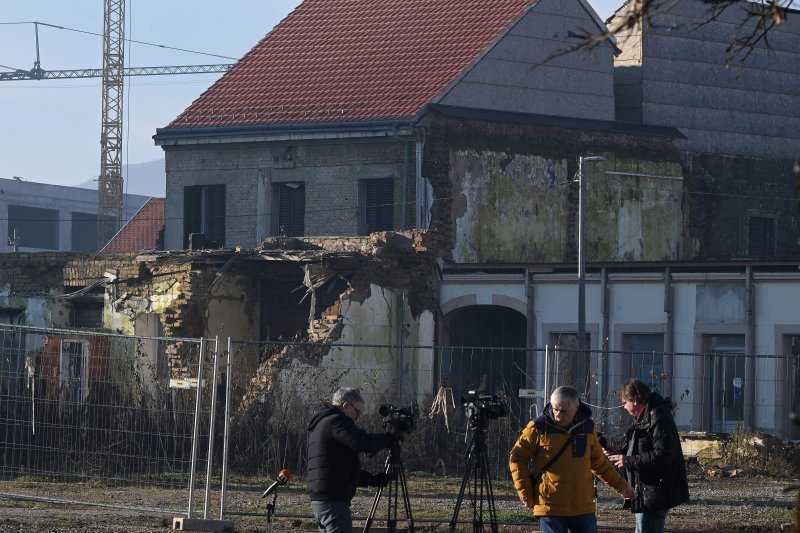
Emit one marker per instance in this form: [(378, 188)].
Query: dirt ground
[(717, 505)]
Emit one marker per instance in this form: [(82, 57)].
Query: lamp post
[(581, 253)]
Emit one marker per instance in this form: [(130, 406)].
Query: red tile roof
[(352, 61), (141, 231)]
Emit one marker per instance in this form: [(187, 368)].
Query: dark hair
[(634, 390)]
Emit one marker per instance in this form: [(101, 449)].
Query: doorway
[(727, 381)]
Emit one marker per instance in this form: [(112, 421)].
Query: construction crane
[(109, 184)]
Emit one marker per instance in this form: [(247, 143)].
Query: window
[(204, 212), (792, 343), (761, 236), (84, 232), (647, 358), (289, 208), (35, 227), (74, 376), (87, 313), (376, 200)]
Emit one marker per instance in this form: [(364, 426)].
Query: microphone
[(283, 478)]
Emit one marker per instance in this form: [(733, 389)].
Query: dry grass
[(748, 504)]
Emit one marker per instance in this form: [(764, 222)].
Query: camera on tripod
[(487, 407), (398, 420)]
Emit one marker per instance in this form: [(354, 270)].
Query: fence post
[(210, 461), (226, 431), (196, 430), (546, 390)]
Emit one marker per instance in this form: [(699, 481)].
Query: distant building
[(39, 217), (145, 231)]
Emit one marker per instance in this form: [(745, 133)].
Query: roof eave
[(283, 132)]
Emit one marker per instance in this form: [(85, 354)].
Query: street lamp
[(581, 254)]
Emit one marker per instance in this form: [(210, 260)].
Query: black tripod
[(478, 468), (397, 484), (271, 509)]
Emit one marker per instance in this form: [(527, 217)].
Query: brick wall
[(41, 272), (330, 172)]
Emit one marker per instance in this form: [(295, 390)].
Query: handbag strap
[(544, 469)]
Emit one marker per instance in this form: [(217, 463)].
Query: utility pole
[(582, 255), (109, 186)]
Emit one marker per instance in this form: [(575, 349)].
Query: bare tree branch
[(759, 19)]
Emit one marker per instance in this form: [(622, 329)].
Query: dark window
[(204, 212), (35, 227), (290, 201), (647, 358), (376, 199), (87, 314), (84, 232), (761, 236)]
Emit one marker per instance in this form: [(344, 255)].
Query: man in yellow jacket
[(563, 497)]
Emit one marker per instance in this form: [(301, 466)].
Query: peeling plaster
[(633, 218), (517, 208), (513, 207)]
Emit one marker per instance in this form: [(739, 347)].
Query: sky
[(50, 129)]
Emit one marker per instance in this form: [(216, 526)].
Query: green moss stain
[(513, 207), (517, 207)]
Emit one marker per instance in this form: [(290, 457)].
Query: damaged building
[(373, 291), (690, 247), (690, 242)]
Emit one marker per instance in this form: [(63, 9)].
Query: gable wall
[(521, 74)]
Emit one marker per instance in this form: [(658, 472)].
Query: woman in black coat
[(653, 459)]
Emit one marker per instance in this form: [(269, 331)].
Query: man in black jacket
[(653, 459), (334, 471)]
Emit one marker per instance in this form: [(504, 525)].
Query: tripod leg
[(406, 501), (464, 481), (371, 516), (490, 503)]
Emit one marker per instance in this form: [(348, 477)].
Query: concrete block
[(180, 523)]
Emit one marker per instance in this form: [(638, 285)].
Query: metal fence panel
[(93, 408), (97, 410)]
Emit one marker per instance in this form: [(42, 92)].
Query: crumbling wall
[(40, 285), (367, 338), (506, 192)]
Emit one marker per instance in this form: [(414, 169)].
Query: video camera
[(487, 407), (399, 420)]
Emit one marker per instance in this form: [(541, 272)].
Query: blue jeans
[(652, 522), (582, 523), (333, 517)]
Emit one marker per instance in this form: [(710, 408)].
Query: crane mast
[(109, 189), (109, 184)]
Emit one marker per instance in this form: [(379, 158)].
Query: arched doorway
[(486, 346)]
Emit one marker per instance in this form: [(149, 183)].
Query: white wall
[(636, 304)]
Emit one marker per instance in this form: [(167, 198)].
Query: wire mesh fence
[(78, 407), (100, 410)]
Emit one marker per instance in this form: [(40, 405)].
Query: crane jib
[(40, 74)]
